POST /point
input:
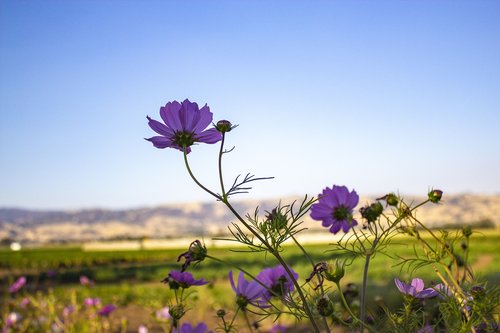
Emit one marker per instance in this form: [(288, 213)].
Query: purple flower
[(16, 286), (278, 329), (163, 314), (25, 302), (187, 328), (415, 289), (184, 124), (334, 208), (426, 329), (106, 310), (89, 301), (68, 310), (12, 319), (142, 329), (277, 280), (183, 280), (247, 292), (85, 281)]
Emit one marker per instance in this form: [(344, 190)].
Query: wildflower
[(25, 302), (247, 292), (196, 254), (182, 280), (85, 281), (415, 289), (142, 329), (184, 124), (106, 310), (68, 310), (89, 301), (188, 328), (334, 208), (12, 319), (16, 286), (278, 329), (277, 280), (163, 314)]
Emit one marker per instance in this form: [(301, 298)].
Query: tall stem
[(363, 290)]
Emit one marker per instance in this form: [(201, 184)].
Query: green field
[(130, 279)]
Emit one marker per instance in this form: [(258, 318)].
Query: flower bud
[(324, 306), (372, 212), (177, 311), (435, 196), (335, 274), (391, 199), (224, 126), (221, 313)]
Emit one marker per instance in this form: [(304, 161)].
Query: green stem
[(344, 302), (221, 179), (196, 180), (363, 290), (247, 321)]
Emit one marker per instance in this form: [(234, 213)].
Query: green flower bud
[(324, 306), (467, 231), (224, 126), (177, 311), (435, 196), (335, 273), (372, 212), (221, 313)]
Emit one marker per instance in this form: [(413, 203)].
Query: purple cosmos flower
[(183, 280), (16, 286), (334, 208), (415, 289), (89, 301), (187, 328), (247, 292), (106, 310), (277, 280), (184, 124)]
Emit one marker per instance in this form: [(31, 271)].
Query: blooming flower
[(163, 314), (89, 301), (176, 279), (12, 319), (277, 279), (184, 124), (16, 286), (334, 208), (106, 310), (187, 328), (85, 281), (415, 289), (247, 292)]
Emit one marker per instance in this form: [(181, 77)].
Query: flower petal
[(426, 293), (418, 284), (160, 142), (204, 120), (170, 113), (209, 136), (189, 115), (159, 127), (403, 287), (232, 281), (335, 228)]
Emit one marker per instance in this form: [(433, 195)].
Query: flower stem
[(221, 179), (342, 297), (196, 180)]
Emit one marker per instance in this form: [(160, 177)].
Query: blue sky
[(379, 96)]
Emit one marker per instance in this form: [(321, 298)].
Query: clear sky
[(379, 96)]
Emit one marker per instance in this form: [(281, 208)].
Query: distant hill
[(196, 219)]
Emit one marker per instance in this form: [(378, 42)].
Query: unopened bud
[(221, 313), (372, 212), (224, 126), (324, 306), (391, 199), (467, 231), (435, 196)]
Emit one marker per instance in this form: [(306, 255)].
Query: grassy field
[(130, 279)]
